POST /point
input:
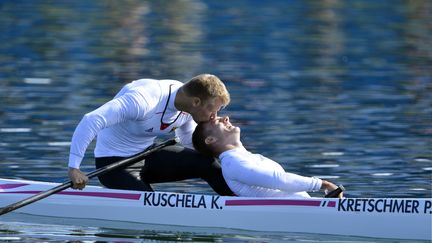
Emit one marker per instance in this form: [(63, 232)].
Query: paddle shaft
[(92, 174)]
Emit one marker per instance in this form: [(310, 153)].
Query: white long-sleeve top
[(129, 123), (253, 175)]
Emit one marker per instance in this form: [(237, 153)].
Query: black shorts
[(169, 164)]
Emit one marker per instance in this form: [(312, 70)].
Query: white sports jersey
[(253, 175), (129, 123)]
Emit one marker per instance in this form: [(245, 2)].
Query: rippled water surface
[(336, 89)]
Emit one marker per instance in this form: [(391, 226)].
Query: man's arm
[(130, 106), (270, 175)]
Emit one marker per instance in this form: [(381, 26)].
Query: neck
[(181, 101), (227, 147)]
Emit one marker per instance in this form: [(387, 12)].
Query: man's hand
[(79, 179), (328, 186)]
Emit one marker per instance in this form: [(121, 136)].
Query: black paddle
[(98, 172)]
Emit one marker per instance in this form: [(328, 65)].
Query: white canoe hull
[(408, 218)]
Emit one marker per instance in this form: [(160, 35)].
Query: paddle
[(98, 172)]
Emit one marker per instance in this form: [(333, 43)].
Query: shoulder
[(144, 85), (154, 86), (169, 85), (149, 89), (170, 81), (152, 91), (234, 157)]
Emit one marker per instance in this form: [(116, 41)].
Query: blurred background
[(340, 89)]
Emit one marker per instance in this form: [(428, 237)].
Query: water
[(335, 89)]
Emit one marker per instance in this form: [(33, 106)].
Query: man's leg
[(175, 163), (122, 178)]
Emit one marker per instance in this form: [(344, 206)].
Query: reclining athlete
[(248, 174)]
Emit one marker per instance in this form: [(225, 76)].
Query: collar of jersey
[(171, 107)]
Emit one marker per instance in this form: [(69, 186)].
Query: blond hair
[(207, 86)]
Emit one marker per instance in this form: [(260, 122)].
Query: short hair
[(206, 86), (198, 140)]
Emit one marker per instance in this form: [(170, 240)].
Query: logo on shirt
[(163, 126), (149, 130)]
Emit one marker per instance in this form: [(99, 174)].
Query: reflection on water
[(335, 89), (82, 232)]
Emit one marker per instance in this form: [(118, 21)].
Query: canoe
[(392, 218)]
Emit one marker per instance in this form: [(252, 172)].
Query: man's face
[(222, 129), (207, 110)]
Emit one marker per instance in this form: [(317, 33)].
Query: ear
[(210, 140), (196, 101)]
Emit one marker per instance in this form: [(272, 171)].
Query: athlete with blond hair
[(142, 111)]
